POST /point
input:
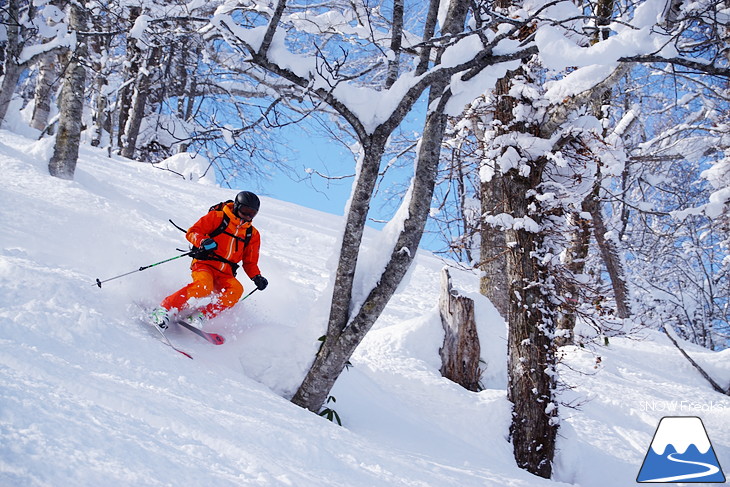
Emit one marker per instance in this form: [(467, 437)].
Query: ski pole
[(249, 294), (99, 283)]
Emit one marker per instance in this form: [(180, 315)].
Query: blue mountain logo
[(681, 452)]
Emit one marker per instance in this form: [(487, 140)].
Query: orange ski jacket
[(230, 242)]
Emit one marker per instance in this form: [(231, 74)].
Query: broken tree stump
[(461, 351)]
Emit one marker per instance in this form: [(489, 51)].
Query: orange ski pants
[(207, 281)]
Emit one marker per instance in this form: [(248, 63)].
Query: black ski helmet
[(247, 199)]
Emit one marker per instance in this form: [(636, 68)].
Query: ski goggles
[(245, 213)]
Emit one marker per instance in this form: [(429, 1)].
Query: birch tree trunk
[(99, 46), (66, 149), (139, 104), (11, 68), (126, 91), (42, 94), (575, 260)]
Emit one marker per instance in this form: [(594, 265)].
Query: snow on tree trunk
[(461, 351), (346, 331), (11, 69), (492, 248), (395, 43), (139, 104), (99, 50), (493, 281), (531, 361), (134, 56), (574, 261), (42, 95), (10, 81), (71, 105), (347, 327), (612, 261), (339, 343)]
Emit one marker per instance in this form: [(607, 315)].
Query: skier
[(221, 238)]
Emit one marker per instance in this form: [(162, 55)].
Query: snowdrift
[(90, 396)]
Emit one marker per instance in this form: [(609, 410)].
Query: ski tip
[(186, 354), (217, 339)]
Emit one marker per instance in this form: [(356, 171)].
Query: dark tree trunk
[(531, 359), (339, 343), (100, 48), (493, 261), (611, 259), (395, 42)]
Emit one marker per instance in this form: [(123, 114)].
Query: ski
[(213, 338), (167, 342)]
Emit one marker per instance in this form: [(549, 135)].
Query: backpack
[(224, 224), (221, 229)]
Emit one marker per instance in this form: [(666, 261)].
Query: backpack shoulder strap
[(224, 222), (247, 238), (221, 228), (219, 206)]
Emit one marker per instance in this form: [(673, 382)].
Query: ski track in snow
[(90, 396)]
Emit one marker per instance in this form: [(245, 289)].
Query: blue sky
[(316, 192), (307, 150)]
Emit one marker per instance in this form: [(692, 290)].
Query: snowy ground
[(89, 396)]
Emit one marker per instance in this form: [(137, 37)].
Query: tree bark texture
[(127, 90), (610, 254), (42, 95), (338, 346), (574, 261), (71, 105), (492, 247), (139, 104), (11, 68), (531, 360), (47, 73), (461, 351), (345, 332), (99, 46), (395, 42), (493, 259)]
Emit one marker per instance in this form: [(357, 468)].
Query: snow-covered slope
[(90, 396)]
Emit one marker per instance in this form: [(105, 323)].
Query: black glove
[(206, 248), (260, 282), (208, 244), (198, 253)]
